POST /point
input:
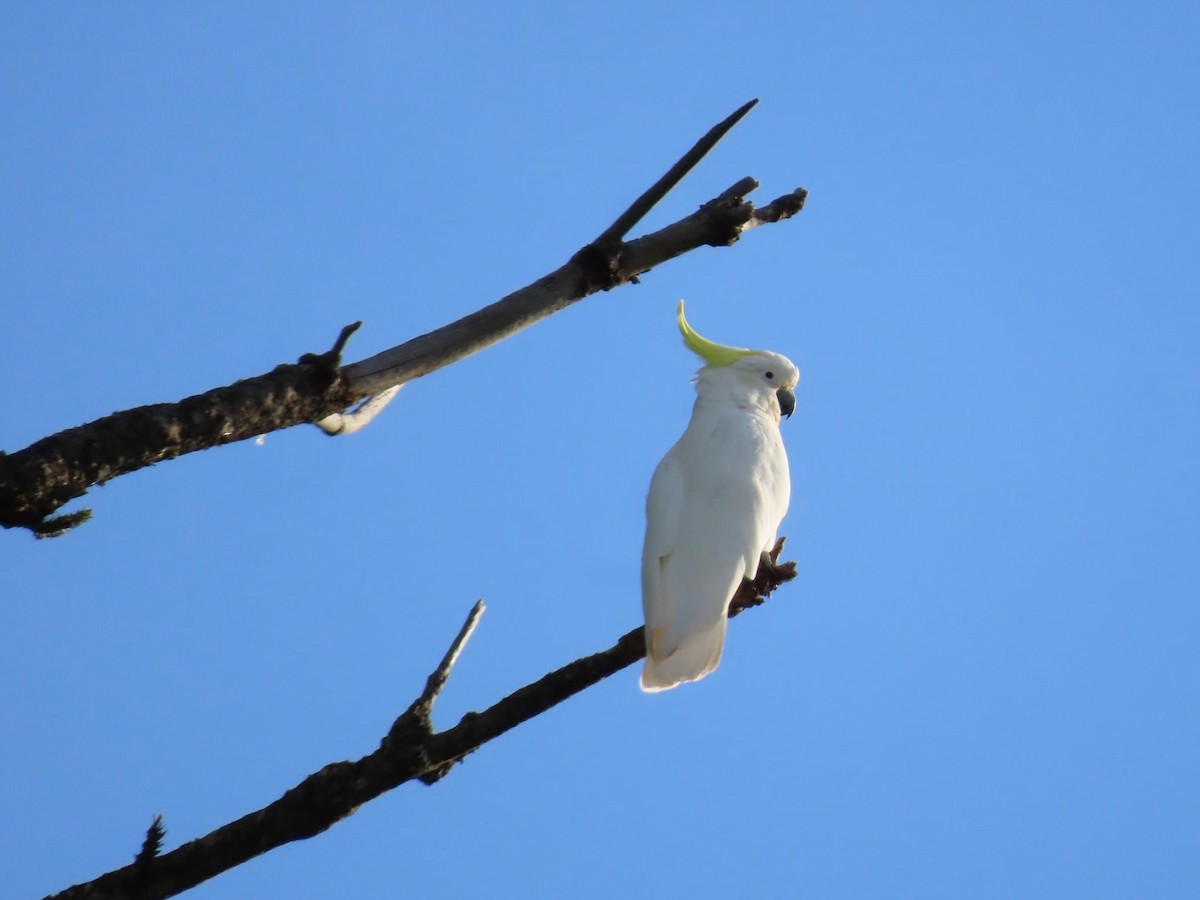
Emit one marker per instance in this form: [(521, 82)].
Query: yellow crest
[(712, 353)]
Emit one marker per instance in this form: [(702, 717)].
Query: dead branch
[(411, 750), (37, 481)]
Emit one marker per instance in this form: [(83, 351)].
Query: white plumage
[(715, 504)]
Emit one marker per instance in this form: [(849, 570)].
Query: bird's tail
[(691, 661)]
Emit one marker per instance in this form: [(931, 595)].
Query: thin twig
[(152, 845), (778, 209), (437, 679), (735, 192), (643, 204)]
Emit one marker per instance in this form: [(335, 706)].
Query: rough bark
[(39, 480), (411, 750)]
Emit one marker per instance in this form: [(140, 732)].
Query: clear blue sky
[(984, 682)]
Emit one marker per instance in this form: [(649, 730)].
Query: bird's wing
[(692, 563), (685, 624), (664, 510)]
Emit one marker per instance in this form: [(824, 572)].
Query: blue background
[(984, 681)]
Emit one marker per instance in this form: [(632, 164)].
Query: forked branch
[(410, 751), (37, 481)]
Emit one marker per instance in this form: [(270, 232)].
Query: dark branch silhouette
[(411, 750), (37, 481), (650, 199)]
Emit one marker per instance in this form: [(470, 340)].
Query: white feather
[(715, 503)]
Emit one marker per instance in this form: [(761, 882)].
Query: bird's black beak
[(787, 401)]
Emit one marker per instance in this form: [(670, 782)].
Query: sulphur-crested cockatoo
[(715, 504)]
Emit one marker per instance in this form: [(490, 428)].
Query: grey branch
[(643, 204), (410, 751), (39, 480), (437, 680)]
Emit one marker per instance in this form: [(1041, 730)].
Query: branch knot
[(329, 363), (599, 264)]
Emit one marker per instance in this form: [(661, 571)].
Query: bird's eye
[(770, 376)]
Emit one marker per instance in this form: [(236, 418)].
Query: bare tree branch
[(650, 199), (411, 750), (152, 845), (37, 481), (717, 223), (437, 680)]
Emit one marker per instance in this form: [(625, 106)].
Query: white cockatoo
[(715, 504)]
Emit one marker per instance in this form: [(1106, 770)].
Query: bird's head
[(758, 374)]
